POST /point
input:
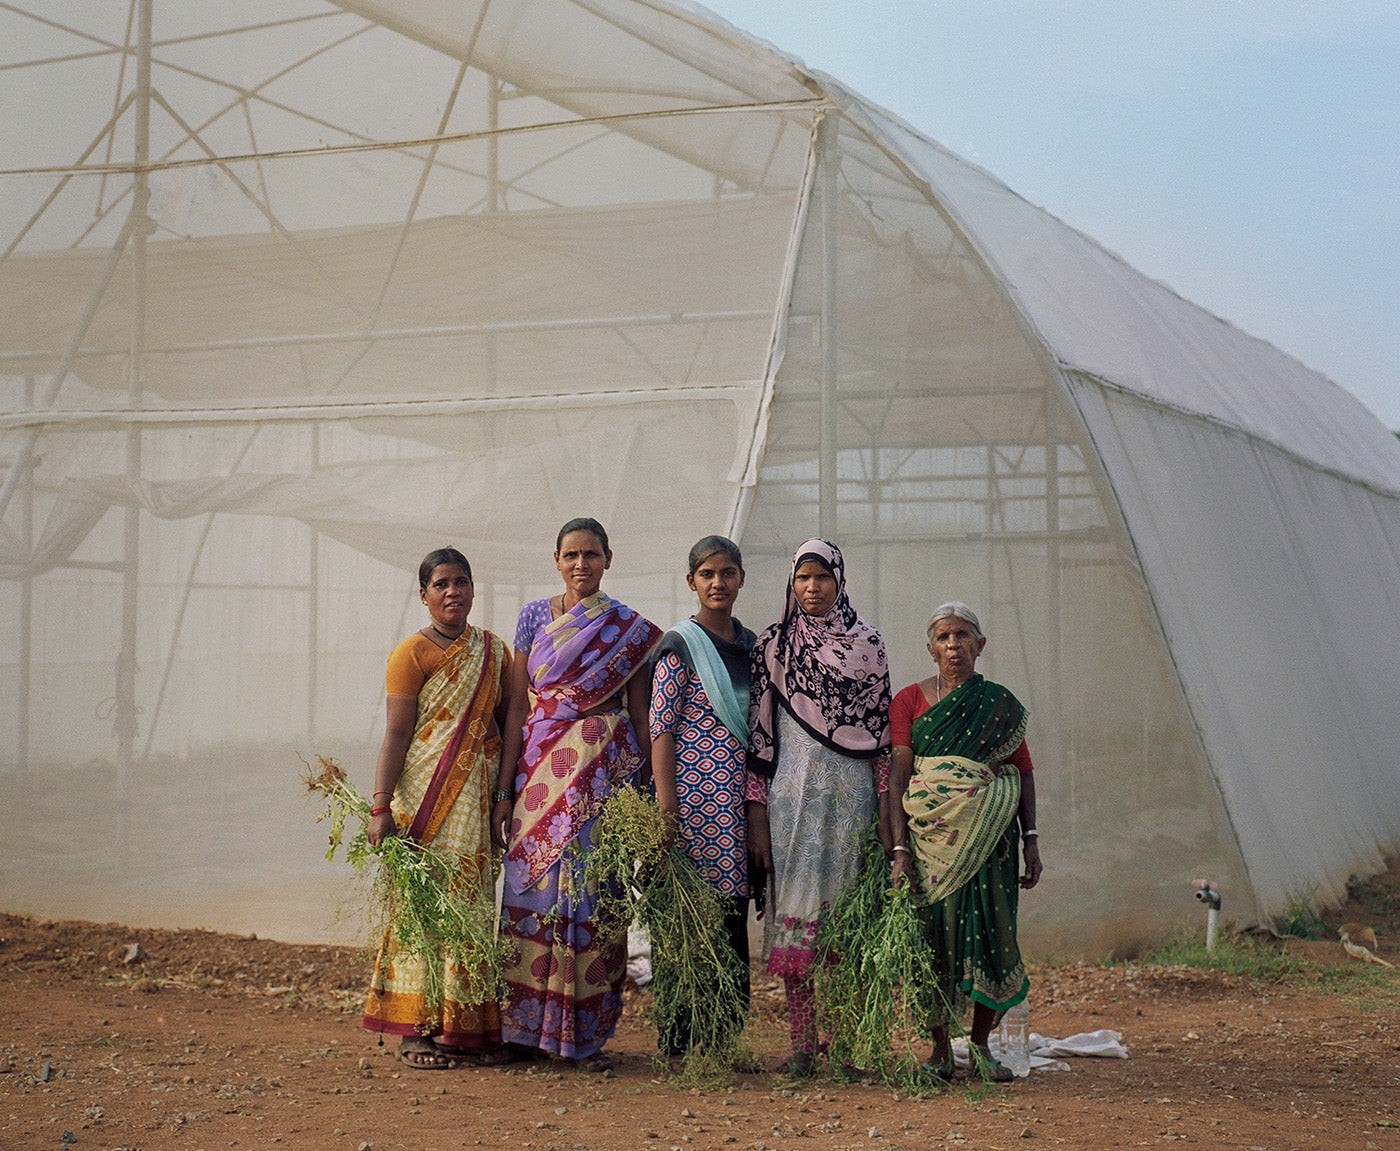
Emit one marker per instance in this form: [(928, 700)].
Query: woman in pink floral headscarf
[(818, 752)]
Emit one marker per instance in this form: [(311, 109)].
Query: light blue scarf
[(714, 678)]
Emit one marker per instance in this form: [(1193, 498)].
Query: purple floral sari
[(564, 986)]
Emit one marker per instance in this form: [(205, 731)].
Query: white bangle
[(901, 847), (1031, 832)]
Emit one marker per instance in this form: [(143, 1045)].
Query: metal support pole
[(493, 204), (493, 146), (313, 599), (1054, 622), (25, 460), (826, 453), (1052, 546), (124, 718)]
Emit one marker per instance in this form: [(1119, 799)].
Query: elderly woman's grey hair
[(959, 610)]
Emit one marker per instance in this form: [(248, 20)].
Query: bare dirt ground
[(216, 1041)]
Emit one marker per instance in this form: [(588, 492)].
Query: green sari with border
[(962, 804)]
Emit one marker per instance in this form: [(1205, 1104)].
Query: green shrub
[(1300, 920)]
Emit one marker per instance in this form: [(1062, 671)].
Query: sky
[(1244, 152)]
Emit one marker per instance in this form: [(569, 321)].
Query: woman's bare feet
[(424, 1055)]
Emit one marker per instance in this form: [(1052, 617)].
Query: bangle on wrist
[(1030, 833), (904, 847), (501, 795), (382, 791), (378, 811)]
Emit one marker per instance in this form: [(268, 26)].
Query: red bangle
[(377, 810)]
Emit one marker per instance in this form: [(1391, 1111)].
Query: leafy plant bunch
[(696, 977), (435, 906), (877, 979)]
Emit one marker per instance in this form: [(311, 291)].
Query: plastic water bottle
[(1014, 1038)]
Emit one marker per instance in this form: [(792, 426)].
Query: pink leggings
[(802, 1012)]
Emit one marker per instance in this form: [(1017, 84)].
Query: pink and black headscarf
[(829, 672)]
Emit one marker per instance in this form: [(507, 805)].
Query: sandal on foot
[(497, 1057), (423, 1055), (943, 1072), (990, 1069), (600, 1063)]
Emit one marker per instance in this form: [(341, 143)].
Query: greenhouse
[(298, 290)]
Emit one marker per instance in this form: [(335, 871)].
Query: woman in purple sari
[(577, 655)]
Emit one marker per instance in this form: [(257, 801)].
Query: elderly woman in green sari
[(964, 772)]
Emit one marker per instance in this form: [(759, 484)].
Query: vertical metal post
[(876, 498), (991, 508), (25, 460), (826, 452), (313, 601), (124, 721), (493, 146), (1052, 533), (1054, 624), (493, 204)]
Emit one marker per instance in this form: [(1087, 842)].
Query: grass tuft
[(1265, 961), (1373, 898), (1239, 955), (1300, 919)]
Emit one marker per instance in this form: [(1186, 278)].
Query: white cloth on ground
[(1048, 1053)]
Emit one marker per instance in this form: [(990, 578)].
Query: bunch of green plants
[(1300, 918), (877, 980), (697, 979), (433, 905)]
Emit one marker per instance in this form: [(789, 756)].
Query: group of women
[(769, 756)]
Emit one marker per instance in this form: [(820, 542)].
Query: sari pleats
[(564, 987), (973, 935)]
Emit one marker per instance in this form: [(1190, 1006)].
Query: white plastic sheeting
[(295, 291)]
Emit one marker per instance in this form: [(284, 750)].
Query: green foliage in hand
[(695, 973), (435, 906)]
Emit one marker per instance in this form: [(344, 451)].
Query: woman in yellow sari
[(448, 687)]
